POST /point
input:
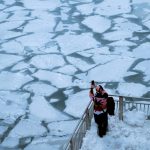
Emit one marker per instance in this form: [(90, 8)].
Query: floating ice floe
[(62, 128), (20, 66), (142, 51), (17, 98), (117, 35), (7, 60), (131, 89), (122, 43), (111, 71), (10, 142), (36, 40), (9, 2), (13, 81), (70, 43), (97, 23), (67, 69), (57, 79), (126, 26), (39, 88), (8, 25), (139, 2), (37, 4), (18, 14), (10, 111), (3, 15), (41, 109), (2, 6), (113, 7), (78, 101), (79, 63), (12, 47), (79, 1), (86, 9), (42, 146), (37, 25), (144, 67), (48, 61), (26, 128)]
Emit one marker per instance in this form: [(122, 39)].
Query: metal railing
[(122, 104)]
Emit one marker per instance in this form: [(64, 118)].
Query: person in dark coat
[(100, 107)]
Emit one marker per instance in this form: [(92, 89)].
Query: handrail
[(75, 141)]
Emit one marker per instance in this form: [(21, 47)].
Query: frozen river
[(49, 52)]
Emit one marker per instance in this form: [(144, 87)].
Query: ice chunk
[(18, 98), (142, 51), (70, 43), (13, 81), (13, 47), (113, 7), (131, 89), (37, 4), (79, 63), (78, 101), (8, 60), (57, 79), (40, 88), (26, 128), (62, 128), (9, 2), (68, 69), (44, 111), (106, 73), (122, 43), (97, 23), (86, 9), (48, 61), (10, 142), (117, 35), (144, 67), (20, 66), (35, 40)]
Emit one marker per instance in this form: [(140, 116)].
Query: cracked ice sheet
[(44, 5), (7, 60), (26, 128), (70, 43), (40, 89), (57, 79), (132, 89), (142, 51), (38, 25), (36, 40), (12, 47), (47, 111), (113, 71), (78, 101), (10, 112), (13, 81), (18, 98), (48, 61), (97, 23), (62, 128), (117, 35), (86, 9), (144, 67), (113, 7), (67, 69), (79, 63)]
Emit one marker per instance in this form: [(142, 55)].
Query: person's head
[(99, 88)]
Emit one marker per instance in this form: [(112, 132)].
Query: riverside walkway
[(122, 105)]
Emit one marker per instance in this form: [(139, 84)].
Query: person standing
[(100, 107)]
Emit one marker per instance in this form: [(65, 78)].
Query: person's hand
[(92, 84)]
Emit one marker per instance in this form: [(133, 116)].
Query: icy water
[(49, 52)]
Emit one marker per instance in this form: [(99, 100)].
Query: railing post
[(120, 108)]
